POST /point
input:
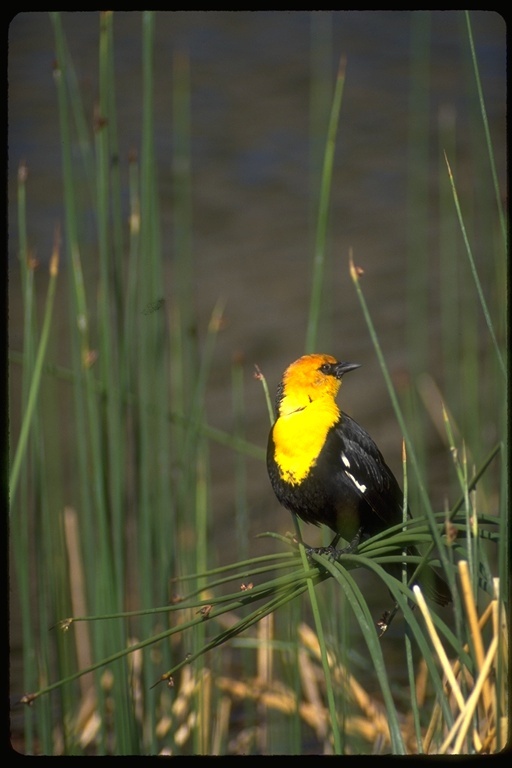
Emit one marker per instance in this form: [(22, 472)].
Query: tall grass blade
[(323, 214), (20, 521), (355, 274), (36, 375), (485, 124), (361, 612), (481, 296)]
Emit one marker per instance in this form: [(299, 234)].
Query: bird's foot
[(332, 550)]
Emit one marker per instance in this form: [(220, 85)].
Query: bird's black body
[(324, 467), (328, 496)]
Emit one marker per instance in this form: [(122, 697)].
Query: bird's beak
[(342, 368)]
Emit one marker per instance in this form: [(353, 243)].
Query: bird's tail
[(434, 586)]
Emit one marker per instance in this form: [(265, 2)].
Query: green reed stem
[(240, 471), (417, 201), (36, 375), (449, 286), (485, 123), (323, 214), (398, 411), (407, 639), (474, 272), (20, 525), (361, 612)]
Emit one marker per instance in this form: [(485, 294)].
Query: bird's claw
[(331, 551)]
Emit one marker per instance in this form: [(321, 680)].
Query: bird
[(324, 467)]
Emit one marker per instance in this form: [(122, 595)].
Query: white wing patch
[(359, 486)]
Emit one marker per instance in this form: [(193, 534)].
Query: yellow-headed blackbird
[(326, 468)]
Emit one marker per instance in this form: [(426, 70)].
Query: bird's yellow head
[(309, 379)]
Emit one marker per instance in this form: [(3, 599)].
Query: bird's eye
[(325, 368)]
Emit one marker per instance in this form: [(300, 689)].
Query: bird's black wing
[(371, 478), (381, 501)]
